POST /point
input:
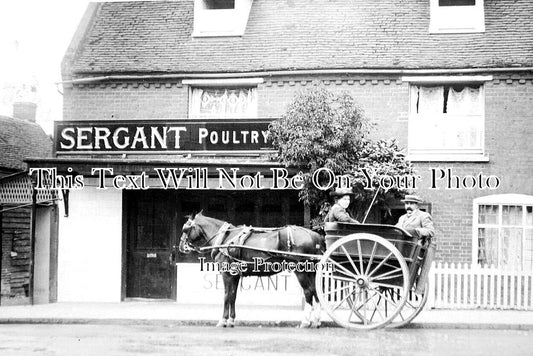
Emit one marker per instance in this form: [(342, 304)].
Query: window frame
[(236, 83), (442, 18), (499, 200), (446, 155), (223, 22)]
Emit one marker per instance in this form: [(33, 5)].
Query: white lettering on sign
[(207, 287), (274, 283), (119, 138), (226, 137)]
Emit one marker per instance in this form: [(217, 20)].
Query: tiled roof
[(302, 34), (20, 139)]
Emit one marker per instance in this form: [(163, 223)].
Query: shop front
[(121, 220)]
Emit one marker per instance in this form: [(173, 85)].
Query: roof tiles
[(136, 37)]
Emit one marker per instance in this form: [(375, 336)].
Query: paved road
[(194, 340)]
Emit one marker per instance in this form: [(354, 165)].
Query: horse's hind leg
[(316, 314), (307, 283)]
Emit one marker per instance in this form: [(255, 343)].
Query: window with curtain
[(223, 103), (446, 119), (505, 235)]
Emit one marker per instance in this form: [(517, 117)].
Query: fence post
[(431, 287)]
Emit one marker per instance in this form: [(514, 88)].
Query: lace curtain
[(466, 101), (224, 102), (430, 100)]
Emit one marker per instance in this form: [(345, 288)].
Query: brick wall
[(508, 127)]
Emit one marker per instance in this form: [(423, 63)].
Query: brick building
[(451, 80)]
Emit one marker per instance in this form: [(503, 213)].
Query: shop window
[(503, 231), (214, 18), (446, 122), (456, 16), (220, 102)]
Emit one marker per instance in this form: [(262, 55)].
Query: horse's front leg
[(230, 293), (225, 314), (234, 285), (308, 287)]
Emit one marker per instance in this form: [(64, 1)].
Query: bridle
[(189, 225)]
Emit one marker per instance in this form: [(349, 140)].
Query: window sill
[(443, 31), (447, 158), (217, 34)]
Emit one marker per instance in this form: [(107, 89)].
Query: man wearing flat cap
[(418, 223), (338, 211)]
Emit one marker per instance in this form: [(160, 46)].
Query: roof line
[(295, 72)]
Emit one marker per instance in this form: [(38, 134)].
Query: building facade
[(450, 80), (20, 137)]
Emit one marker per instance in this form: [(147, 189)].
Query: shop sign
[(161, 136), (206, 287)]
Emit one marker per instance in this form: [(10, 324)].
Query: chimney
[(25, 110)]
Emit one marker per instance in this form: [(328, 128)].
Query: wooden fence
[(464, 286)]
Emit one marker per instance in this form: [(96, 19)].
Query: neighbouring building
[(20, 137), (451, 80)]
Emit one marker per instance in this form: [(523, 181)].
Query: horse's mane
[(209, 219)]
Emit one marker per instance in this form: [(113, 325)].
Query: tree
[(322, 129)]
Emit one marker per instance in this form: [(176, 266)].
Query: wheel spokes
[(380, 264), (351, 261)]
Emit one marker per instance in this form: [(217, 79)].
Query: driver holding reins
[(417, 222)]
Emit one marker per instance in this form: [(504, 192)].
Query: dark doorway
[(154, 219), (151, 226)]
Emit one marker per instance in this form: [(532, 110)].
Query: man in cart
[(338, 211), (417, 222)]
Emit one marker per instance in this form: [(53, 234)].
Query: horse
[(203, 231)]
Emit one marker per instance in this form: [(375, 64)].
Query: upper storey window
[(456, 16), (216, 18), (223, 98), (447, 118)]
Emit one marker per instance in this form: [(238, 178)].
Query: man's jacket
[(419, 224)]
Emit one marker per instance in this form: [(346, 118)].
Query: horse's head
[(192, 235)]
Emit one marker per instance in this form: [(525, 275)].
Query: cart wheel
[(353, 278), (413, 306)]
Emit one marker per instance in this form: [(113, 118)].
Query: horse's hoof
[(231, 323), (315, 325), (305, 325), (222, 324)]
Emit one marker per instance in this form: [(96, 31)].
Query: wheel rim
[(413, 306), (353, 294)]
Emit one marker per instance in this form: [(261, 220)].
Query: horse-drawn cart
[(372, 275), (369, 276)]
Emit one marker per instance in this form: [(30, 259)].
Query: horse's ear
[(201, 211)]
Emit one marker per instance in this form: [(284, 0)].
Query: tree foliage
[(325, 129)]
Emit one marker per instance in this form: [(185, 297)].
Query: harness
[(240, 239)]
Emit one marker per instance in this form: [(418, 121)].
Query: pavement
[(172, 313)]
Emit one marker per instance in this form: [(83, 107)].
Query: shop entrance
[(154, 219), (151, 234)]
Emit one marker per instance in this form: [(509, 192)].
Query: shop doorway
[(151, 235), (154, 219)]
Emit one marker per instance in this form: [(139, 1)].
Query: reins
[(207, 240), (202, 249)]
